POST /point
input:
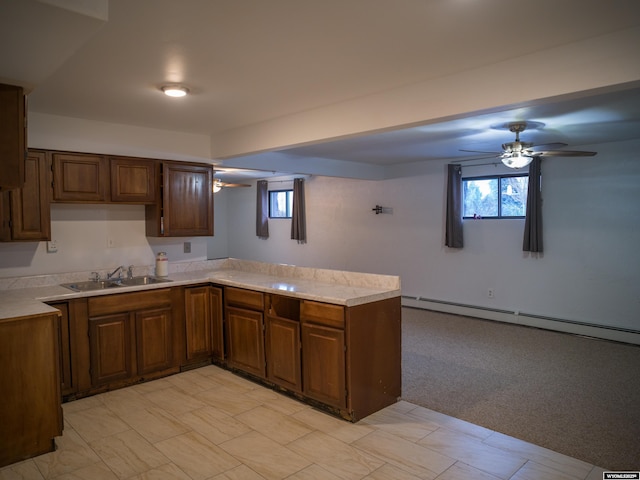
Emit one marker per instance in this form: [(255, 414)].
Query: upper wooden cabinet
[(13, 133), (80, 178), (185, 207), (133, 180), (24, 212), (91, 178)]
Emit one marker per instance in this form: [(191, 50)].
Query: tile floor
[(211, 424)]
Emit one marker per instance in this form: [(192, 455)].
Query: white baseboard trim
[(559, 325)]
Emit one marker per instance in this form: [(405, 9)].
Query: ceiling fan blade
[(548, 146), (234, 185), (478, 151), (566, 153), (475, 159)]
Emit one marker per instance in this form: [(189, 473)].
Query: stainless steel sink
[(143, 280), (91, 285)]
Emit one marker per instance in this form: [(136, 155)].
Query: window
[(497, 196), (280, 203)]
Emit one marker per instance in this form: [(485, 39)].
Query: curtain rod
[(290, 180), (495, 164)]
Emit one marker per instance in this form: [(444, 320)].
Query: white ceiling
[(250, 62)]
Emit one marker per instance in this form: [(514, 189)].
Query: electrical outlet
[(490, 293), (52, 246), (187, 247)]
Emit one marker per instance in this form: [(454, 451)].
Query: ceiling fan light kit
[(516, 160), (519, 154)]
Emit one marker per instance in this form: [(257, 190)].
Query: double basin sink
[(91, 285)]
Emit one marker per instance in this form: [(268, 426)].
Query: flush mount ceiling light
[(174, 90)]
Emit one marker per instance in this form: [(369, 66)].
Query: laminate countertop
[(26, 296)]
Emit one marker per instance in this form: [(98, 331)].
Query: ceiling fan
[(518, 154), (219, 185)]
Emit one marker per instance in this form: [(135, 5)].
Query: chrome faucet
[(130, 272), (119, 269)]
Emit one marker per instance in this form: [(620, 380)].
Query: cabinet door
[(323, 364), (282, 347), (187, 200), (80, 178), (110, 346), (64, 347), (30, 217), (31, 413), (217, 323), (13, 134), (245, 341), (153, 340), (133, 180), (198, 322)]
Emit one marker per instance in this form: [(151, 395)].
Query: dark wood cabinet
[(323, 346), (13, 136), (31, 413), (80, 178), (245, 330), (217, 323), (282, 342), (131, 335), (25, 212), (197, 323), (203, 323), (245, 347), (133, 180), (344, 359), (153, 340), (64, 348), (323, 364), (110, 345), (185, 207), (91, 178)]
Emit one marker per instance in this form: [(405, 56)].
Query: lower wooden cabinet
[(323, 364), (30, 404), (245, 341), (130, 336), (204, 335), (197, 323), (153, 340), (110, 346), (64, 348), (244, 330), (282, 342), (345, 359)]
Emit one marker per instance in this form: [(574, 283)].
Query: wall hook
[(379, 209)]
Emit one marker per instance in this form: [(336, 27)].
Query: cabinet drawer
[(127, 302), (322, 313), (239, 297)]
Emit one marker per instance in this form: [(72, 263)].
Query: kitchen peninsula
[(329, 338)]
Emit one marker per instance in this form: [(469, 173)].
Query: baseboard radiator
[(527, 319)]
